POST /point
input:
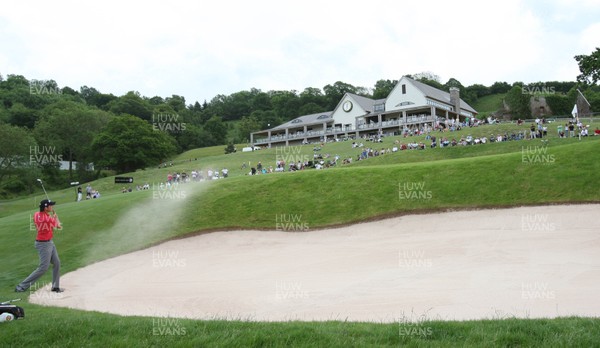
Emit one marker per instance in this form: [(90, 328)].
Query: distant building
[(410, 105), (64, 165)]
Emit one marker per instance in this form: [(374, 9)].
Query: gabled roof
[(306, 120), (434, 93), (366, 103)]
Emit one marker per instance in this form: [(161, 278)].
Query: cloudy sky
[(199, 49)]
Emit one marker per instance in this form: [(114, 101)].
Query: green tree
[(131, 104), (4, 114), (432, 83), (312, 95), (518, 102), (70, 128), (311, 108), (16, 144), (589, 66), (215, 107), (156, 100), (335, 92), (499, 87), (163, 108), (177, 102), (22, 116), (285, 104), (559, 104), (129, 143), (383, 88), (94, 98), (452, 82), (18, 90), (261, 102), (594, 100), (551, 87), (426, 75), (194, 137), (217, 129), (478, 90), (230, 148), (196, 107), (237, 105), (88, 93), (465, 94), (247, 125), (266, 119)]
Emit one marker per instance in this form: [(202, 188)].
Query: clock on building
[(347, 106)]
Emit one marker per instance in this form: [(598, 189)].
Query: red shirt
[(45, 225)]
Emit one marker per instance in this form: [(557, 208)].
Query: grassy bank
[(491, 175), (345, 195)]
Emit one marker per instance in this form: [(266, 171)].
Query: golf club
[(48, 198), (43, 188)]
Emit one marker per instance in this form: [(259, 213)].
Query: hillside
[(215, 158), (489, 103)]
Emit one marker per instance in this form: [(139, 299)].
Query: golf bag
[(9, 311)]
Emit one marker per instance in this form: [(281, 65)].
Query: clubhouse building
[(410, 105)]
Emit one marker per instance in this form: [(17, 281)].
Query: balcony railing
[(342, 130)]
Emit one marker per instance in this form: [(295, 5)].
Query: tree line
[(41, 123)]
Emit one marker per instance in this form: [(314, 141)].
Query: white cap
[(6, 317)]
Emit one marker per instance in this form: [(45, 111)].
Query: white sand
[(526, 262)]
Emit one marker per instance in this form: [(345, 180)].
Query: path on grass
[(522, 262)]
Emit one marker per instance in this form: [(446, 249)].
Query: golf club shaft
[(43, 188), (10, 301)]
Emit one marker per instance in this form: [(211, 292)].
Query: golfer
[(45, 222)]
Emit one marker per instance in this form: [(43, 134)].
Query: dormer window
[(379, 107)]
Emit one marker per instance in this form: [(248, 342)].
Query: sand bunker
[(528, 262)]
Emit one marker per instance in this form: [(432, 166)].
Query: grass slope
[(345, 195), (491, 175), (489, 103)]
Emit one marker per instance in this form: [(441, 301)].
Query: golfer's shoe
[(19, 290), (57, 290)]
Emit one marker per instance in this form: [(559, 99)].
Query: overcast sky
[(199, 49)]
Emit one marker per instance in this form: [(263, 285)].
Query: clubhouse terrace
[(410, 105)]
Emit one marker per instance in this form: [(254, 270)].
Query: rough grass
[(60, 327), (489, 103)]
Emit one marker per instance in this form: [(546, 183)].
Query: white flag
[(574, 112)]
